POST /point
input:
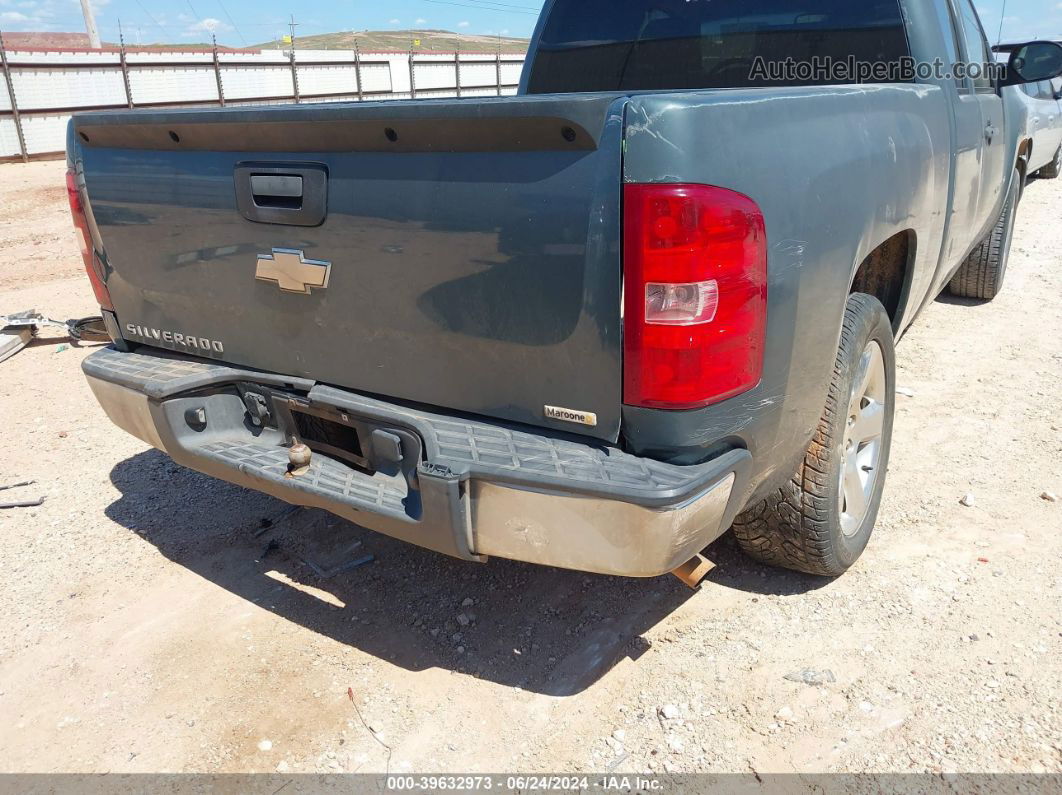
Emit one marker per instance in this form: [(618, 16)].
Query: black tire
[(1052, 169), (799, 526), (981, 275)]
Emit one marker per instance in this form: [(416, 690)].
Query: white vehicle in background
[(1044, 103), (1043, 129)]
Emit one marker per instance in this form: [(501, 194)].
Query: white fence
[(43, 88)]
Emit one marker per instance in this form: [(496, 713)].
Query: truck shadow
[(544, 630), (734, 570), (947, 298)]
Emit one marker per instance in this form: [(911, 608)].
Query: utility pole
[(90, 25), (291, 54), (292, 25)]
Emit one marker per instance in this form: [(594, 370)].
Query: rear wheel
[(820, 521), (1053, 169), (981, 275)]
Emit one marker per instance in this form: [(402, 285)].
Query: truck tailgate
[(458, 254)]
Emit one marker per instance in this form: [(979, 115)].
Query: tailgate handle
[(292, 194), (277, 190)]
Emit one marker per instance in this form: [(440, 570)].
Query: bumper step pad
[(468, 447), (325, 476)]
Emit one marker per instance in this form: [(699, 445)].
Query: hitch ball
[(299, 456)]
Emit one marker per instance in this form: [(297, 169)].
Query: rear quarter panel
[(836, 172)]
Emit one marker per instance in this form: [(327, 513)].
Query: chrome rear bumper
[(467, 488)]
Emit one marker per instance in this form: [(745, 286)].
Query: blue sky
[(237, 22)]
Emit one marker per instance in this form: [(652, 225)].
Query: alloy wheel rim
[(861, 443)]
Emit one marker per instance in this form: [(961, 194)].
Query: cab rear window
[(644, 45)]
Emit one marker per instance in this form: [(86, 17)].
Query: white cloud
[(207, 25), (463, 24), (421, 21), (505, 32), (32, 15), (395, 22)]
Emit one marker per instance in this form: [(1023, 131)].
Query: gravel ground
[(147, 627)]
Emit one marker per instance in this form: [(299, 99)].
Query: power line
[(536, 9), (232, 22), (149, 14), (200, 20), (481, 7)]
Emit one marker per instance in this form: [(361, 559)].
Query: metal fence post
[(14, 103), (125, 71), (412, 75), (357, 72), (294, 68), (497, 70), (217, 72), (457, 69)]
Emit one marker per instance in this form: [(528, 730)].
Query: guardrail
[(43, 88)]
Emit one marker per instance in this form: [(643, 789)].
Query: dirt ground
[(146, 627)]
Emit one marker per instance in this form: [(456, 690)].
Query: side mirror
[(1033, 62)]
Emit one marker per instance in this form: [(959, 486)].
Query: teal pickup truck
[(652, 297)]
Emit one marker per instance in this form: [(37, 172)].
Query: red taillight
[(695, 295), (84, 239)]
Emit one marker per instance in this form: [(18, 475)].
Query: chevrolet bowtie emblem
[(292, 272)]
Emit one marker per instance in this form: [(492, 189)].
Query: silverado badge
[(292, 272)]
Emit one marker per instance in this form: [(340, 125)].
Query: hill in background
[(368, 41), (59, 42), (400, 40)]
